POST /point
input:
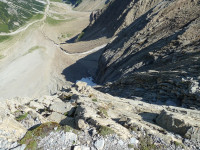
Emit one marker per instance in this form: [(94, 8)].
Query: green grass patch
[(70, 129), (178, 144), (25, 11), (33, 49), (4, 38), (102, 112), (80, 36), (53, 22), (65, 35), (22, 117), (146, 143), (104, 131), (94, 100), (4, 28), (31, 137), (37, 17), (1, 56), (56, 1), (130, 146)]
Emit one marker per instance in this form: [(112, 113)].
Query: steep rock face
[(157, 54), (116, 16)]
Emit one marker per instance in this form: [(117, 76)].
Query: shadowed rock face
[(157, 56)]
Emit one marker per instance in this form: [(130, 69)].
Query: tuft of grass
[(66, 113), (68, 129), (22, 117), (31, 137), (33, 49), (94, 100), (32, 145), (102, 112), (80, 36), (146, 143), (130, 146), (178, 144), (104, 130)]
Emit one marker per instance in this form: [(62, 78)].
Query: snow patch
[(88, 80)]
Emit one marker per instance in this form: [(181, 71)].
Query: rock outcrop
[(155, 52), (89, 119)]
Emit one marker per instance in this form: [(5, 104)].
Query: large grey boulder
[(61, 107), (36, 105), (57, 117), (184, 125)]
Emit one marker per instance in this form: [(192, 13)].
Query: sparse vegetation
[(33, 49), (178, 144), (1, 56), (104, 130), (103, 112), (146, 143), (25, 11), (94, 100), (80, 36), (66, 113), (68, 129), (4, 38), (130, 146), (52, 21), (31, 137), (22, 117), (56, 1)]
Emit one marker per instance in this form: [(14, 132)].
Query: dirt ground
[(33, 62)]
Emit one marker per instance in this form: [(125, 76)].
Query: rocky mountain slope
[(82, 118), (150, 67), (155, 50)]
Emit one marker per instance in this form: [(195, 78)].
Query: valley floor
[(33, 63)]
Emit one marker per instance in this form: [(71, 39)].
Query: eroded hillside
[(155, 52)]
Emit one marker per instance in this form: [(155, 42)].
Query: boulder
[(99, 144), (36, 105), (61, 107), (81, 85), (184, 125), (56, 117)]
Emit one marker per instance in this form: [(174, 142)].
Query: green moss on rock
[(105, 131)]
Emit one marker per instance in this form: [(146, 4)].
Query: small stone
[(99, 144), (56, 117), (81, 85), (71, 137), (134, 141), (81, 124), (36, 105), (81, 148), (120, 142)]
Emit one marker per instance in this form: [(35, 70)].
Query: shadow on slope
[(85, 67)]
